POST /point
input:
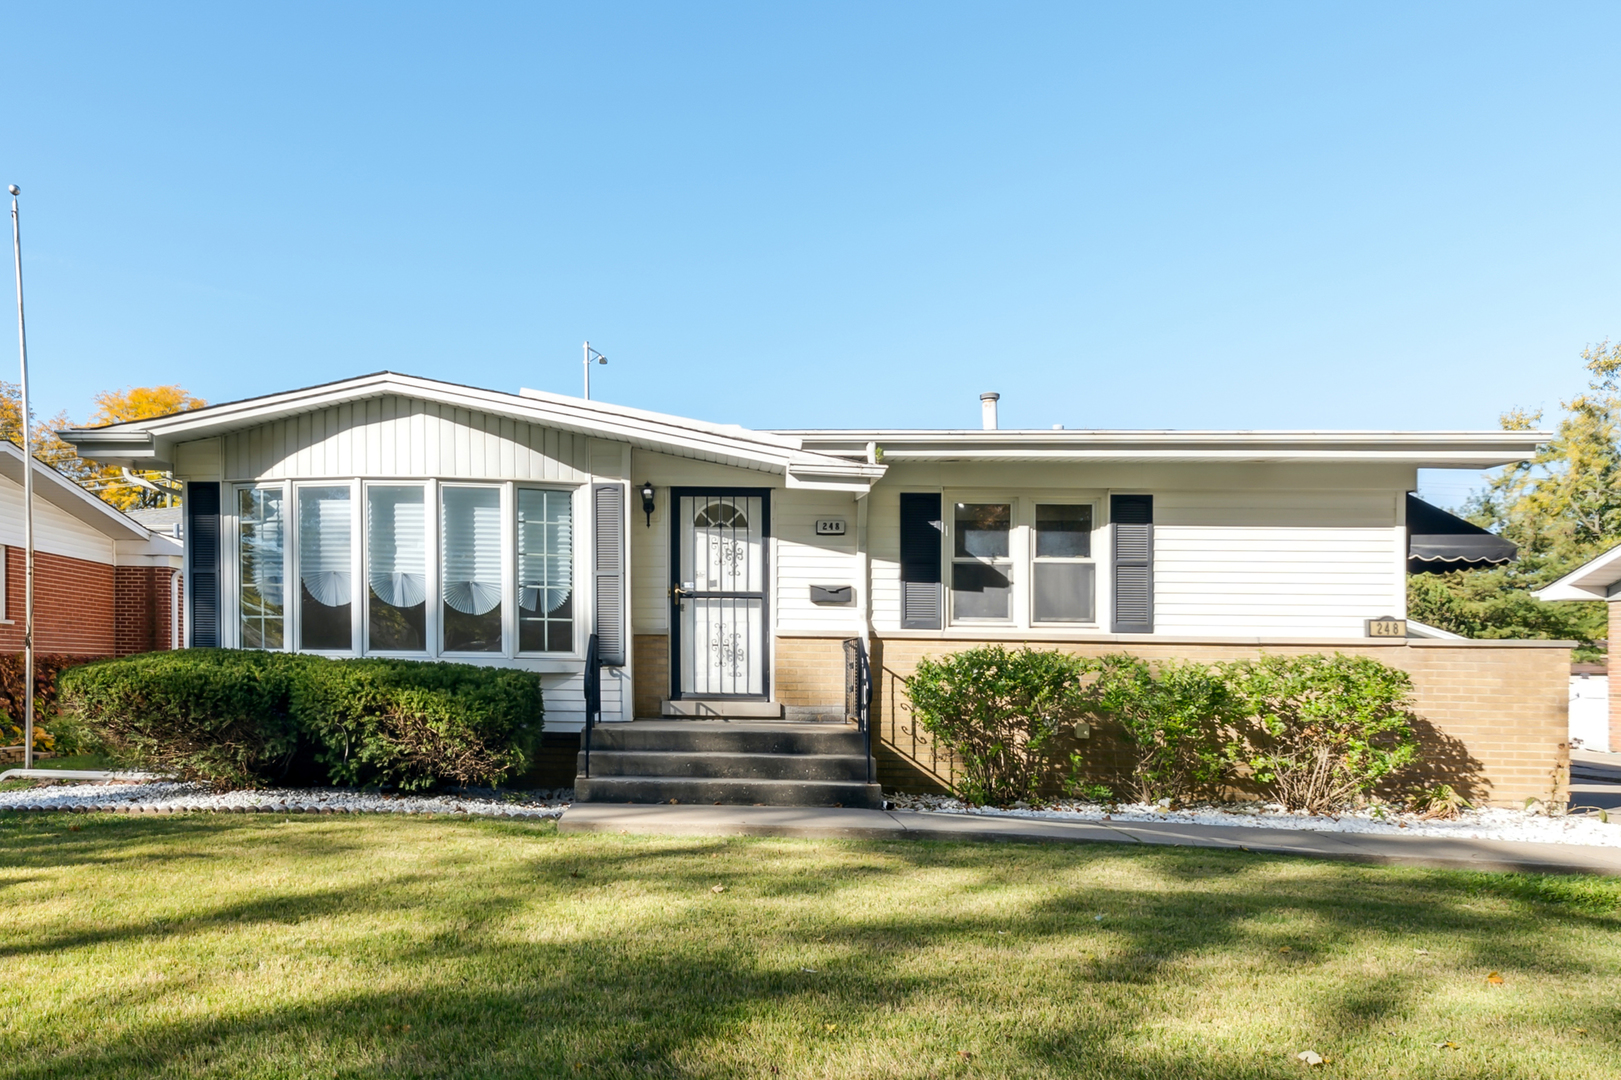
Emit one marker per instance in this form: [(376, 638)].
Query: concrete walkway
[(815, 822)]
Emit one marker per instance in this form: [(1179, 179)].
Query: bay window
[(545, 571), (397, 561), (261, 559), (470, 568), (324, 577), (447, 568)]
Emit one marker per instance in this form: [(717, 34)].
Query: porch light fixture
[(647, 503)]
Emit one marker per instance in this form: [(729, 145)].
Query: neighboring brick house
[(104, 583)]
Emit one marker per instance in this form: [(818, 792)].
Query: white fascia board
[(1595, 579), (1424, 449), (70, 498), (725, 444)]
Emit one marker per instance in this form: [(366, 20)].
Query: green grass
[(213, 946)]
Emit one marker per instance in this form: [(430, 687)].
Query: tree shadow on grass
[(514, 967)]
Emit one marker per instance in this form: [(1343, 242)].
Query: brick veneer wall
[(84, 608), (1495, 713), (142, 616), (810, 671), (73, 605), (651, 679)]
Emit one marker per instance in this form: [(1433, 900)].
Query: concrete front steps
[(730, 762)]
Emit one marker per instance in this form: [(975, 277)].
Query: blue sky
[(1147, 215)]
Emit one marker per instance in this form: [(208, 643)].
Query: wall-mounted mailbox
[(832, 594)]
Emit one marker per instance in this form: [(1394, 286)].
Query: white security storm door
[(718, 603)]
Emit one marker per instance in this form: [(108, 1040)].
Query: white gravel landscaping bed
[(1489, 824), (167, 797)]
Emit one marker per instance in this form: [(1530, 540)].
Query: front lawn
[(378, 947)]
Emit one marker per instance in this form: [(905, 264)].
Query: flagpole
[(28, 498)]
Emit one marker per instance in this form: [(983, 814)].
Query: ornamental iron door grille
[(718, 604)]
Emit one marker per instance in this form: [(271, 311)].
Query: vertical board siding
[(400, 436), (804, 559)]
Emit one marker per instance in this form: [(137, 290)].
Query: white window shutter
[(608, 516)]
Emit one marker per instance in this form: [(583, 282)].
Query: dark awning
[(1439, 542)]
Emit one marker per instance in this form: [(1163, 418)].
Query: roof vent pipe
[(987, 409)]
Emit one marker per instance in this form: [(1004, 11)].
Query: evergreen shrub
[(241, 718)]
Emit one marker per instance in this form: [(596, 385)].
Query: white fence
[(1590, 712)]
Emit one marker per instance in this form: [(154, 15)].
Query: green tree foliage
[(1561, 508)]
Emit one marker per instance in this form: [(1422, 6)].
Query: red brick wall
[(84, 608), (141, 620)]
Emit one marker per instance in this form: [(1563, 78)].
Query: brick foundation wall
[(810, 671), (1495, 713), (651, 681)]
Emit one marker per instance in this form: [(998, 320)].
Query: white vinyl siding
[(1277, 563), (55, 531), (804, 559), (403, 437)]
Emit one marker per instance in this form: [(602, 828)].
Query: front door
[(718, 609)]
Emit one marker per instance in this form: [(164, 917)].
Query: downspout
[(174, 609)]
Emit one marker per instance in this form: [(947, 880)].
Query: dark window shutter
[(203, 537), (608, 508), (921, 593), (1133, 519)]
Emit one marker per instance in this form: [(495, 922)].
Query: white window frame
[(295, 583), (432, 487), (1065, 499), (1014, 560), (579, 501)]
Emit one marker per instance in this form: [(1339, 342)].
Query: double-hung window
[(981, 561), (1063, 577)]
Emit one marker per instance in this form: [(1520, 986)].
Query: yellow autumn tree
[(47, 447), (137, 403)]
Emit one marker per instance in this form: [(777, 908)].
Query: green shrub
[(1319, 731), (1173, 714), (998, 712), (241, 718), (413, 724), (212, 715)]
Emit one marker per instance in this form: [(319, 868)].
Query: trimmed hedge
[(241, 718), (1316, 733)]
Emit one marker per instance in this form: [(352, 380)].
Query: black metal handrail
[(593, 698), (858, 694)]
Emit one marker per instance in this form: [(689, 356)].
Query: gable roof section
[(1597, 579), (151, 443), (70, 498)]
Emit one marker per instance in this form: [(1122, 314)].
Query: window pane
[(982, 529), (545, 571), (261, 551), (397, 577), (1063, 532), (1062, 592), (980, 591), (471, 569), (323, 568)]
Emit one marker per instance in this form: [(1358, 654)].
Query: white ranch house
[(722, 569)]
